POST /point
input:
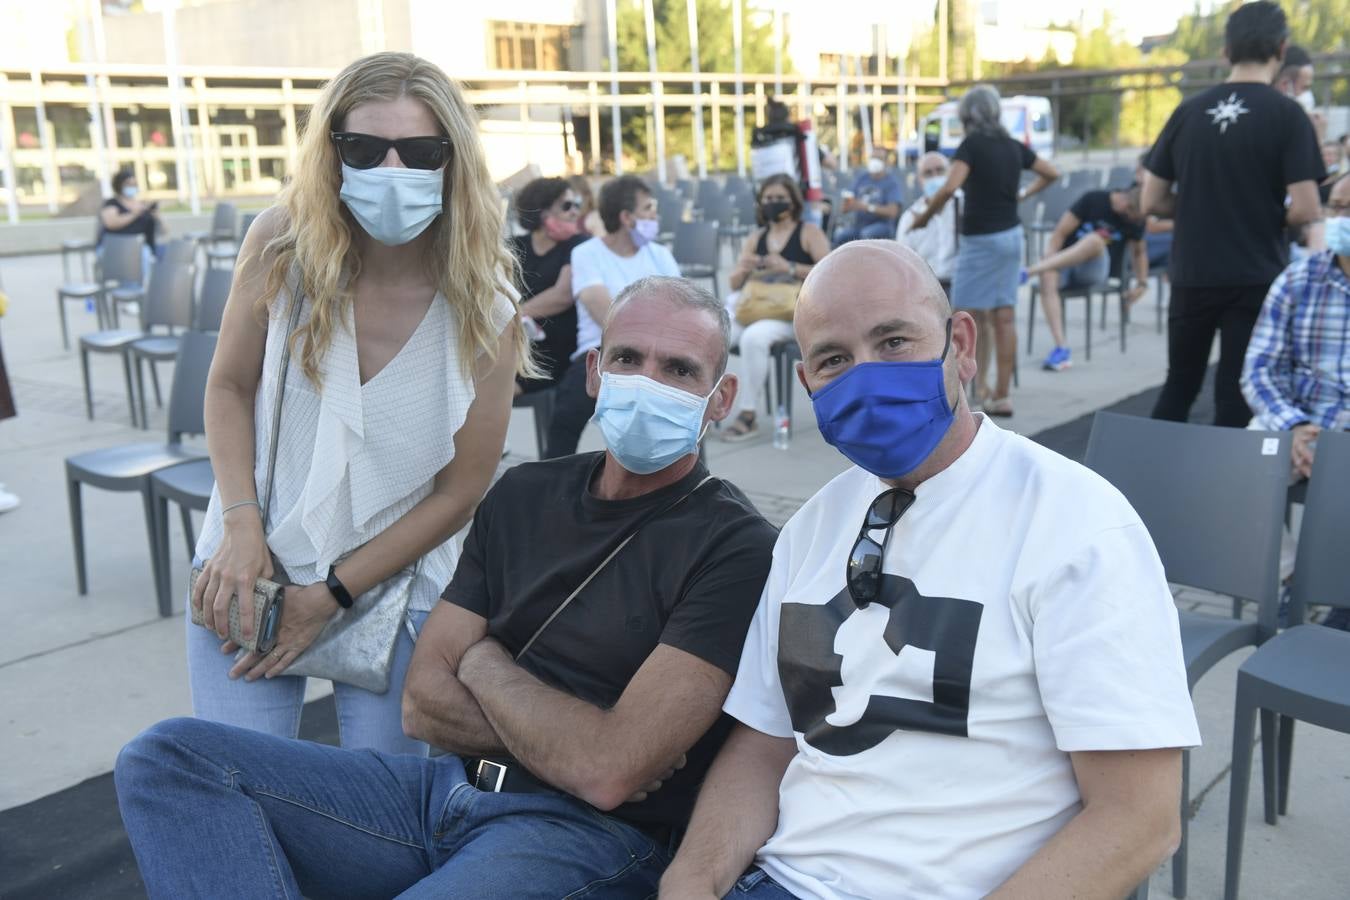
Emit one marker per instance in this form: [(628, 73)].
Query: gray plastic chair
[(123, 274), (120, 261), (189, 485), (1303, 673), (697, 247), (224, 226), (1213, 500), (129, 467), (542, 403), (670, 207), (1120, 177), (211, 306), (167, 279), (168, 304), (229, 253), (121, 258)]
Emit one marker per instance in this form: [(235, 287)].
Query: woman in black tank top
[(782, 248)]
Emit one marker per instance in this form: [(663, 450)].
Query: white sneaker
[(8, 501)]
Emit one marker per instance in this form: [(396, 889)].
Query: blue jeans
[(875, 231), (365, 720), (756, 883), (218, 811)]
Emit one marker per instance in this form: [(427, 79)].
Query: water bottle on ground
[(782, 431)]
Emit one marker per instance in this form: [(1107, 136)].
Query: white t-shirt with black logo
[(1024, 615), (594, 263)]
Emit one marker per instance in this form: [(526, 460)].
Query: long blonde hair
[(466, 255)]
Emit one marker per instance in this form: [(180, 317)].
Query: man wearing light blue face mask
[(966, 648), (938, 241)]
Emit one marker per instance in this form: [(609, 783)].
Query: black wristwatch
[(340, 592)]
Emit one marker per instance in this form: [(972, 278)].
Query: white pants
[(755, 340)]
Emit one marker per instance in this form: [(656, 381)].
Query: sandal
[(743, 428), (999, 408)]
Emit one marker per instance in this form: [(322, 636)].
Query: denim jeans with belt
[(218, 811)]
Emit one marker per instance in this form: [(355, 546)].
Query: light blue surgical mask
[(393, 204), (932, 185), (648, 425), (1338, 235), (130, 192), (644, 231)]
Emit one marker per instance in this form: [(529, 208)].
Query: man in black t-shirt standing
[(1236, 152)]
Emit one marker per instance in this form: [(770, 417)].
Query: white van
[(1030, 120)]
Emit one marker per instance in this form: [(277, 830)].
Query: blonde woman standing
[(396, 399)]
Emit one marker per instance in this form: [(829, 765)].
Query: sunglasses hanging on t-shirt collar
[(865, 561)]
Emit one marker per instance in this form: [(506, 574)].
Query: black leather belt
[(503, 777)]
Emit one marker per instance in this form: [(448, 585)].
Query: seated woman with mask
[(782, 249), (550, 212)]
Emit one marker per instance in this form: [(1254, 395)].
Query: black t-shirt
[(996, 163), (538, 273), (1232, 151), (691, 579), (144, 224), (1094, 211)]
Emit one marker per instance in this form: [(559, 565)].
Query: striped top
[(1298, 360), (353, 458)]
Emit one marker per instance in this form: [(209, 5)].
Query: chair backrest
[(1212, 499), (1120, 177), (1055, 200), (1322, 567), (696, 244), (188, 395), (245, 223), (168, 296), (177, 252), (211, 306), (120, 258), (708, 189), (224, 220), (670, 209), (717, 208)]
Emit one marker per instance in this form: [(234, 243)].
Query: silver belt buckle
[(496, 774)]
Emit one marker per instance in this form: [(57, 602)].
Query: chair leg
[(1286, 761), (65, 330), (154, 380), (1244, 723), (1124, 320), (1270, 760), (77, 532), (160, 551), (140, 386), (88, 389), (131, 391), (1179, 859), (152, 526), (1031, 320), (1087, 328), (188, 534)]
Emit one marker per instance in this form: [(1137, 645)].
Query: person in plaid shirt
[(1296, 375)]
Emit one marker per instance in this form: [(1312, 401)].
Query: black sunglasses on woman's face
[(366, 151)]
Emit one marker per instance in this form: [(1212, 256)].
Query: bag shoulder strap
[(297, 302), (606, 561)]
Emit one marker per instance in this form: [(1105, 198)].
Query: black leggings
[(1195, 314), (572, 409)]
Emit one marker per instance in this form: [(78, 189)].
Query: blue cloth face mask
[(886, 417), (932, 185), (648, 425), (393, 204), (1338, 235)]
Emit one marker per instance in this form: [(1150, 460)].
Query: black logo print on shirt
[(810, 669)]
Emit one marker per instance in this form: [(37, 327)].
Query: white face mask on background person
[(130, 191), (1307, 101), (393, 204), (1338, 235), (932, 184), (644, 231), (875, 166)]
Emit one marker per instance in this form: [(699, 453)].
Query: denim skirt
[(987, 267)]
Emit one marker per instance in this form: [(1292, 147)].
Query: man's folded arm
[(437, 708), (736, 813), (603, 756)]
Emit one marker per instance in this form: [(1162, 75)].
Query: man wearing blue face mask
[(964, 678), (601, 268), (936, 242)]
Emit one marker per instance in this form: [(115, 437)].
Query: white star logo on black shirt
[(1226, 112)]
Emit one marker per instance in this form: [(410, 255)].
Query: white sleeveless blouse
[(353, 459)]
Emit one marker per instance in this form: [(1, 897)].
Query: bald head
[(932, 164), (881, 273)]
